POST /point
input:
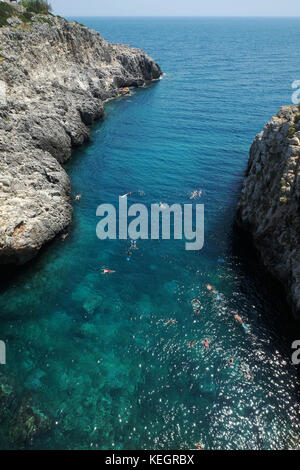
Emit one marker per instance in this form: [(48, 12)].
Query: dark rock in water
[(54, 78), (29, 423), (269, 206), (23, 421)]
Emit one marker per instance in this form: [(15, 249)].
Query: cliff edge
[(55, 76), (269, 206)]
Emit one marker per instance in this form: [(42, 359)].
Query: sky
[(176, 7)]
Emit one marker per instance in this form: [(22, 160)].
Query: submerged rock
[(269, 206), (55, 76)]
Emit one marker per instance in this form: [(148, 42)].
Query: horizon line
[(182, 16)]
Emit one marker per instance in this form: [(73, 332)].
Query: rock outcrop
[(55, 76), (269, 207)]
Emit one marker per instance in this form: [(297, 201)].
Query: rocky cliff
[(55, 76), (269, 207)]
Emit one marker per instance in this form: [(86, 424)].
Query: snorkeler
[(240, 320), (107, 271)]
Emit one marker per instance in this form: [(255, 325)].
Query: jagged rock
[(269, 206), (55, 76)]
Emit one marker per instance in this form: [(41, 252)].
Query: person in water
[(170, 322), (209, 287), (107, 271), (64, 236), (191, 344), (125, 195), (206, 343), (133, 245), (198, 446), (240, 320), (78, 197), (230, 362), (194, 194)]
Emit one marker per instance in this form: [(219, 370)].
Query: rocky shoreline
[(269, 206), (55, 77)]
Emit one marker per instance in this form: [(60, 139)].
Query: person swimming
[(192, 344), (133, 245), (107, 271), (64, 236), (194, 194), (170, 322), (240, 320), (210, 288), (78, 197), (206, 343), (198, 446)]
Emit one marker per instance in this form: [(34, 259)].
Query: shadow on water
[(265, 288)]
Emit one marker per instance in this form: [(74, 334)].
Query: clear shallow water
[(94, 352)]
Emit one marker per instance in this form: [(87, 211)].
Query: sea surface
[(96, 353)]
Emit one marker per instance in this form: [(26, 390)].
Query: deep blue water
[(93, 351)]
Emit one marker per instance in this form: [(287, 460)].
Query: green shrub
[(291, 132), (6, 11), (37, 6), (26, 17)]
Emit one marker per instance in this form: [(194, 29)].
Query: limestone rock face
[(55, 76), (269, 206)]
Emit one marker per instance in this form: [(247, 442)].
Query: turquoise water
[(94, 352)]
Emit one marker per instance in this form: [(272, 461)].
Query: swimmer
[(240, 320), (198, 446), (133, 245), (194, 194), (162, 205), (64, 236), (209, 287), (141, 193), (200, 193), (230, 362), (107, 271), (170, 322), (191, 344), (125, 195), (206, 343), (78, 197), (197, 312)]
